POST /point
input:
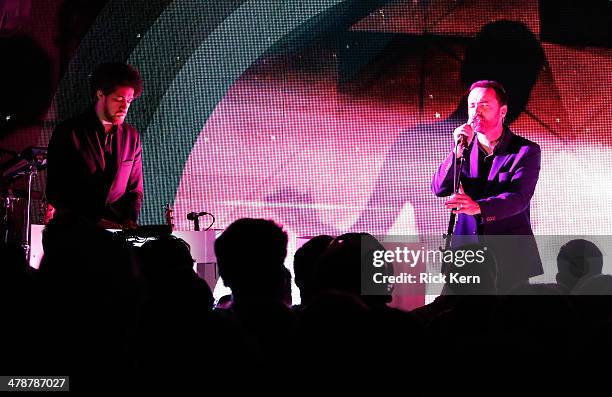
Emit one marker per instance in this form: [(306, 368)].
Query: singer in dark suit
[(94, 159), (498, 179)]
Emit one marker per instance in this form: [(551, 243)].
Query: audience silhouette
[(577, 261), (142, 312)]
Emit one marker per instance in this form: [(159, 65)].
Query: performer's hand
[(49, 213), (462, 203), (468, 132), (129, 225)]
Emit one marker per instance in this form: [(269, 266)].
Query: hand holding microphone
[(462, 137)]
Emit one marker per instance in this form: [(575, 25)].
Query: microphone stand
[(27, 241), (456, 182)]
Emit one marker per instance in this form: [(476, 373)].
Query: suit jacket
[(504, 202), (76, 179)]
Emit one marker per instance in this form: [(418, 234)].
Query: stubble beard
[(111, 117)]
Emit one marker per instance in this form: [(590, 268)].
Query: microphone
[(462, 143), (463, 138), (194, 215)]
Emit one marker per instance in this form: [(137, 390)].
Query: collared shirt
[(485, 161)]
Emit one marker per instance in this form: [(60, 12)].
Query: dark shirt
[(485, 161), (107, 142), (484, 164), (94, 173)]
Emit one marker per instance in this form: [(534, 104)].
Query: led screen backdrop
[(332, 116)]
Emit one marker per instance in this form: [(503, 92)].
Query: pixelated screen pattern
[(345, 132), (339, 125)]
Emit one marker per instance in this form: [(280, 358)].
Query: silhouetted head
[(75, 246), (165, 254), (347, 266), (87, 267), (250, 255), (578, 259), (167, 266), (304, 264)]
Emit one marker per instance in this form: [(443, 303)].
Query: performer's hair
[(109, 76), (500, 91)]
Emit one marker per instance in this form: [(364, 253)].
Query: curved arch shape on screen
[(168, 42), (190, 99)]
